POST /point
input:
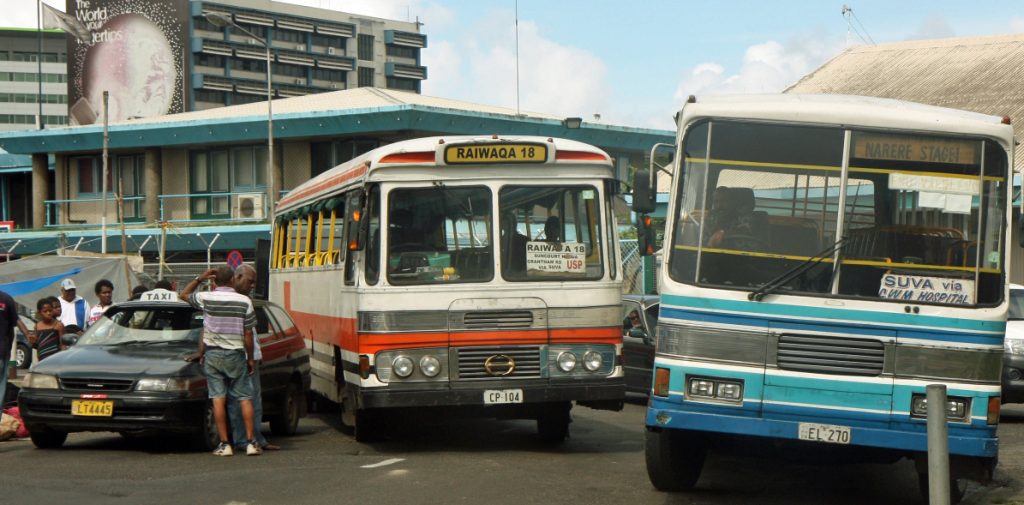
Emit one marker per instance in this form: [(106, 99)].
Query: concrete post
[(938, 446), (40, 189), (152, 185), (276, 184)]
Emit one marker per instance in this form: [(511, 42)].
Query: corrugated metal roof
[(356, 98), (980, 74)]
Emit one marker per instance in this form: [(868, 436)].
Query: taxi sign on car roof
[(159, 295)]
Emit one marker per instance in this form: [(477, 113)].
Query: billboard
[(135, 50)]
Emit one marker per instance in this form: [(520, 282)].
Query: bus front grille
[(503, 362), (830, 355), (498, 319)]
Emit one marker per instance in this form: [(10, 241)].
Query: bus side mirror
[(643, 191), (357, 222)]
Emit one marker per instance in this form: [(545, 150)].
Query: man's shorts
[(226, 371)]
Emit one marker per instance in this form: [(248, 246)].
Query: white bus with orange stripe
[(478, 273)]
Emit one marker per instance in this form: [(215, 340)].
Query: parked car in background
[(638, 340), (127, 374), (1013, 348), (22, 355)]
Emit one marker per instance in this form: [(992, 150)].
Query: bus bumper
[(670, 413), (607, 394)]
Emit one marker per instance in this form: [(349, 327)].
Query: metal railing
[(249, 206), (88, 212)]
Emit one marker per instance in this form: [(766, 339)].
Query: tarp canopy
[(32, 278)]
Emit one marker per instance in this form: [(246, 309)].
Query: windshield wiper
[(784, 278), (148, 342)]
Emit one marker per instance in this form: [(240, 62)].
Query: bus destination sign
[(915, 149), (496, 153)]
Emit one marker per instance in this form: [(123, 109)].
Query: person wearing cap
[(74, 308)]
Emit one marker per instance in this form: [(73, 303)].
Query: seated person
[(513, 245), (553, 229), (632, 325), (732, 221)]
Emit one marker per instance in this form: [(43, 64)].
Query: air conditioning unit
[(299, 80), (334, 85), (249, 206), (252, 42), (300, 47), (330, 50)]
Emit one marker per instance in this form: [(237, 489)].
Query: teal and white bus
[(826, 258)]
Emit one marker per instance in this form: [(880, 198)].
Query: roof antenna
[(517, 55), (850, 17)]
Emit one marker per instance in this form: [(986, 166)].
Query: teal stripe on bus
[(864, 316)]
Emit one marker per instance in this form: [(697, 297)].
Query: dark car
[(1013, 348), (638, 341), (127, 374), (22, 355)]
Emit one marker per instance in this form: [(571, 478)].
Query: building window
[(366, 47), (130, 178), (327, 155), (326, 74), (89, 170), (240, 98), (31, 98), (258, 30), (289, 36), (337, 43), (404, 84), (402, 51), (249, 65), (209, 60), (248, 168), (365, 76), (31, 77), (201, 23), (289, 70), (210, 95)]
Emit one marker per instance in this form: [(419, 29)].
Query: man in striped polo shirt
[(226, 351)]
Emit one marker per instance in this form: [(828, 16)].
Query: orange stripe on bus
[(337, 179)]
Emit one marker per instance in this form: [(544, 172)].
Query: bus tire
[(362, 424), (957, 488), (553, 423), (674, 458)]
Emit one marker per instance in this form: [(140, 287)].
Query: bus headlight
[(958, 408), (430, 366), (592, 361), (402, 366), (566, 361)]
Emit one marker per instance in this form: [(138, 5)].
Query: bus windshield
[(829, 211), (439, 234)]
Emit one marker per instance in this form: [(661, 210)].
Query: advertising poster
[(135, 50)]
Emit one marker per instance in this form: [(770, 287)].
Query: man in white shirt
[(74, 308)]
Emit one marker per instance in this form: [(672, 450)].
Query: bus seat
[(409, 262), (903, 243), (794, 235)]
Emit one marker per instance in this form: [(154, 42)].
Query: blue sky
[(634, 63)]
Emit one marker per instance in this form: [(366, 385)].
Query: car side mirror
[(69, 339)]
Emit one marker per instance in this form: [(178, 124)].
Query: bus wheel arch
[(553, 422)]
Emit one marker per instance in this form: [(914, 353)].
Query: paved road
[(458, 462)]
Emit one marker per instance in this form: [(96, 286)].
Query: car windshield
[(1016, 304), (132, 325)]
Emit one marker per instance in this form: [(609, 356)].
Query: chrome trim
[(704, 342), (403, 321), (830, 355), (974, 365), (470, 363), (585, 317), (607, 360)]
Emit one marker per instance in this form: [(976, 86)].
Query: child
[(49, 330)]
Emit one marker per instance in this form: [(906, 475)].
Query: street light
[(221, 21)]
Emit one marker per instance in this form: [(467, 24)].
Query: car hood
[(1015, 329), (132, 360)]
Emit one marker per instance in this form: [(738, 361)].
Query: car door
[(268, 334), (634, 350)]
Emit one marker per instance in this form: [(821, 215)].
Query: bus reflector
[(416, 157), (661, 377), (579, 156), (353, 245), (993, 409), (364, 366)]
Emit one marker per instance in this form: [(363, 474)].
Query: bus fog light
[(402, 366), (702, 387), (729, 391), (566, 361), (592, 361), (957, 407), (430, 366)]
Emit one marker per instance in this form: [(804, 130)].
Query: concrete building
[(313, 50), (19, 78), (201, 175)]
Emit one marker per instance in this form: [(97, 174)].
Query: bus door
[(832, 373), (497, 338)]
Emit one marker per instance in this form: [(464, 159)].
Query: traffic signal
[(645, 234)]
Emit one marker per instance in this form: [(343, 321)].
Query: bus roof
[(463, 150), (848, 110)]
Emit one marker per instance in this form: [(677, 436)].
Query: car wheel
[(207, 439), (674, 458), (553, 423), (287, 423), (23, 356), (48, 439), (363, 424)]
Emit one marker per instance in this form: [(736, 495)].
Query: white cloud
[(768, 67), (932, 27), (1017, 24), (22, 13)]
